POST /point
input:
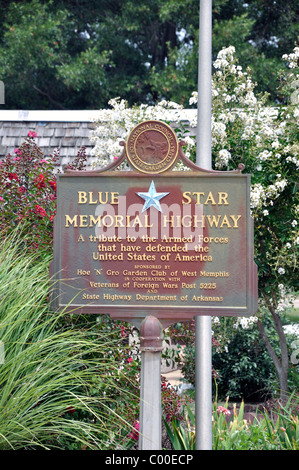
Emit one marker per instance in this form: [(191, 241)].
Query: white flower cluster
[(224, 59), (274, 190), (243, 93), (260, 196), (219, 135), (245, 322), (258, 122), (292, 329), (294, 160), (257, 194), (265, 155), (292, 58), (194, 98), (222, 158), (115, 125), (190, 144), (286, 299)]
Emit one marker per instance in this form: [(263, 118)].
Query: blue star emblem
[(152, 198)]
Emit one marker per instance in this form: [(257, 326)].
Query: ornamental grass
[(53, 376)]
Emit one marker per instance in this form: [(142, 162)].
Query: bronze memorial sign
[(151, 241)]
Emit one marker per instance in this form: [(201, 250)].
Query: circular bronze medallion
[(152, 147)]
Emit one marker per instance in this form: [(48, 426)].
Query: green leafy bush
[(244, 368)]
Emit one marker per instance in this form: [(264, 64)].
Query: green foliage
[(286, 427), (242, 367), (76, 55), (123, 388), (245, 370), (182, 436), (274, 429), (53, 380), (34, 46), (172, 403)]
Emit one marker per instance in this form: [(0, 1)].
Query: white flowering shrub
[(266, 140), (244, 130), (115, 124)]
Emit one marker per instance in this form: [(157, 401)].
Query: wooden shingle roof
[(66, 130)]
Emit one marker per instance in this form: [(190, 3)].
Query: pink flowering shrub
[(172, 403), (28, 192)]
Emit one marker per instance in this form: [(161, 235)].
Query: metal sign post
[(150, 414), (203, 329), (2, 93)]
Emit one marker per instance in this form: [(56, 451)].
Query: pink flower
[(135, 434), (22, 189), (13, 176), (53, 185), (122, 332), (130, 359), (18, 151), (51, 217), (40, 181), (32, 134), (223, 410), (1, 198), (70, 409), (40, 211)]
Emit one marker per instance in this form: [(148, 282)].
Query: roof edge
[(48, 115), (64, 115)]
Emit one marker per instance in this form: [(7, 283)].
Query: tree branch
[(281, 364), (269, 347), (280, 331), (48, 96)]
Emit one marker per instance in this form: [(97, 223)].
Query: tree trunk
[(281, 364)]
